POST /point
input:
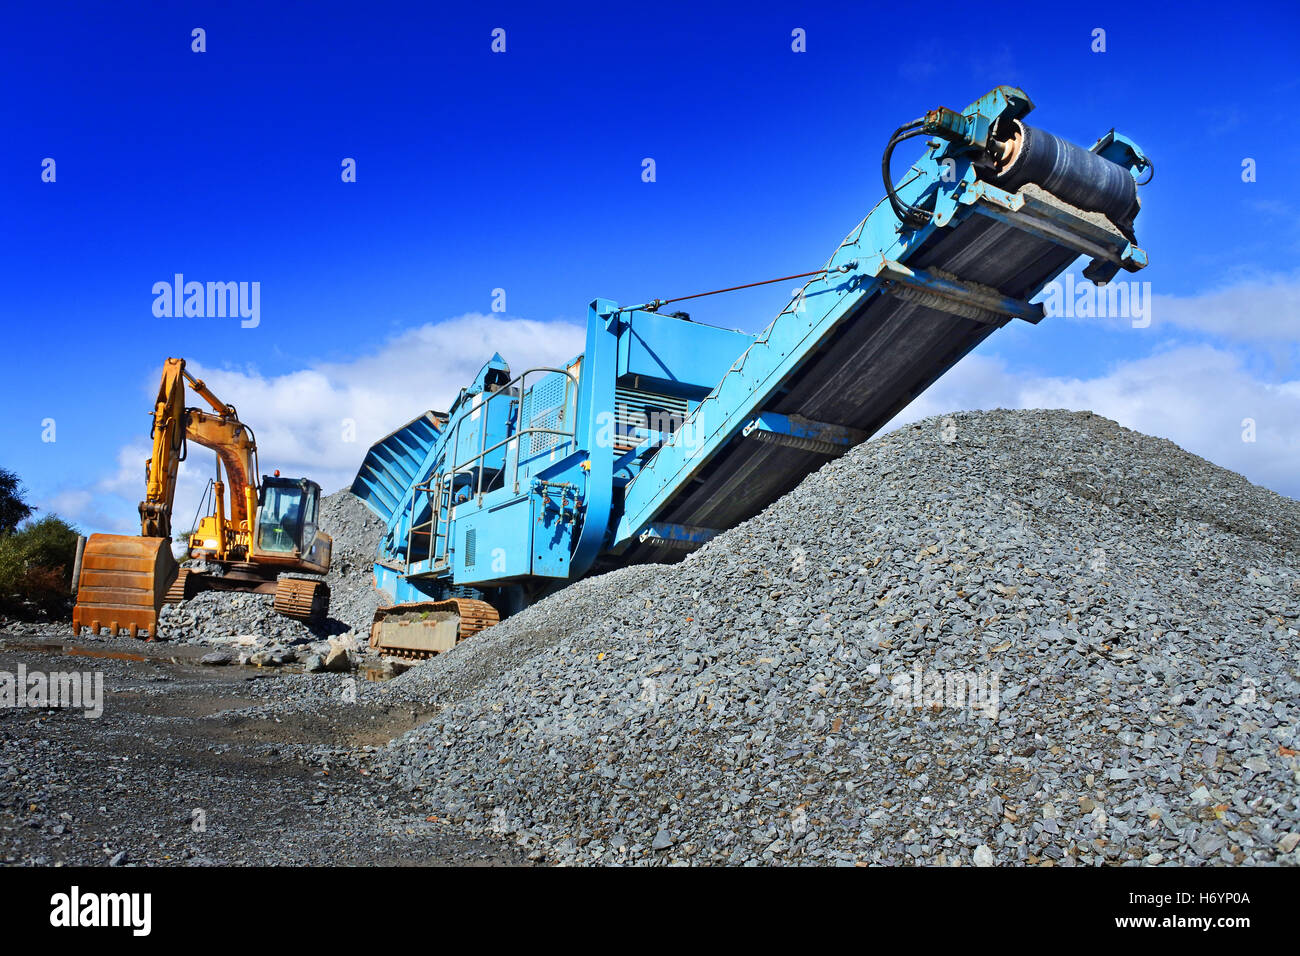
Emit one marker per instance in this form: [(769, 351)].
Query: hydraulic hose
[(908, 215)]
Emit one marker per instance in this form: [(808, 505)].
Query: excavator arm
[(233, 442), (168, 432), (125, 578), (173, 426)]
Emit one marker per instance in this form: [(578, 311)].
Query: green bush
[(36, 565)]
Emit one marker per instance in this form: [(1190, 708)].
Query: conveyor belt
[(879, 359), (880, 356)]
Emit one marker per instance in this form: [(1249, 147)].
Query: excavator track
[(182, 589), (419, 631), (302, 599)]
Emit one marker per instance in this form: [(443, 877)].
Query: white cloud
[(298, 417), (1261, 310)]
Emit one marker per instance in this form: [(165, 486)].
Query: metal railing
[(434, 528)]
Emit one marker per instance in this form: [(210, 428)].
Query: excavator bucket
[(124, 579), (426, 628)]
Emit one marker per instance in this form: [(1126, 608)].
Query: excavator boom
[(125, 579)]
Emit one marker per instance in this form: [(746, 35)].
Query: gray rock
[(759, 695)]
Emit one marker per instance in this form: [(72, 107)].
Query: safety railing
[(440, 510)]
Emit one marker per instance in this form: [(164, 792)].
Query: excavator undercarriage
[(305, 599)]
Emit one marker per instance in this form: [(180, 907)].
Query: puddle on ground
[(75, 650), (95, 653), (369, 672)]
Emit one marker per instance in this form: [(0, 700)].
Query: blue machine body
[(664, 432)]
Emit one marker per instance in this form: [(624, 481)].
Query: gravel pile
[(356, 533), (249, 621), (997, 637), (240, 621)]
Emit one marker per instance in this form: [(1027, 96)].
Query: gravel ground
[(193, 765), (356, 533), (988, 638), (1122, 615)]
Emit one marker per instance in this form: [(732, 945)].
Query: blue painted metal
[(393, 462), (533, 480), (670, 356), (595, 398), (797, 431)]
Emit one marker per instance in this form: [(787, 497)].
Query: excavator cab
[(286, 534), (286, 515)]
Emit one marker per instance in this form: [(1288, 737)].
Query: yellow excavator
[(268, 530)]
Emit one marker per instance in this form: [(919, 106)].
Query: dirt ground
[(189, 764)]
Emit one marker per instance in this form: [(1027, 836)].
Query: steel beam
[(796, 431)]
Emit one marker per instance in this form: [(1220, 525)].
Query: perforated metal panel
[(471, 546), (546, 406)]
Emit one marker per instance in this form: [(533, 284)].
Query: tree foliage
[(36, 565), (36, 557), (13, 509)]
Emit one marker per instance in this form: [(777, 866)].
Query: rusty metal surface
[(423, 629), (124, 580), (183, 587)]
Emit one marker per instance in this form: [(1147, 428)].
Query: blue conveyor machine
[(665, 431)]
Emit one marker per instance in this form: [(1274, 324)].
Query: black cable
[(184, 426), (202, 498), (908, 215)]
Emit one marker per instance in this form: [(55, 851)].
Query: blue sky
[(522, 171)]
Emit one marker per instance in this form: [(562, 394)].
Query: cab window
[(280, 519)]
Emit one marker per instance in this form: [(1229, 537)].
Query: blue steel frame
[(564, 514)]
